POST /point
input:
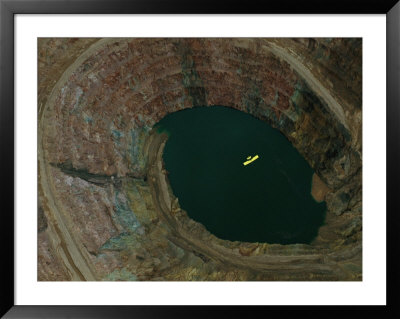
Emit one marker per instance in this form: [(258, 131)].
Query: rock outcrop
[(106, 211)]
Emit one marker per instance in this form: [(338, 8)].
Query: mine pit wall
[(103, 106)]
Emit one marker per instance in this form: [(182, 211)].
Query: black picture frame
[(9, 8)]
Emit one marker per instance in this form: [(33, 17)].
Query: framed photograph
[(161, 155)]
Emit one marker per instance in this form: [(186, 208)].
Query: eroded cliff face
[(106, 209)]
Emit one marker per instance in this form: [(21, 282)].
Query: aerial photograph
[(199, 159)]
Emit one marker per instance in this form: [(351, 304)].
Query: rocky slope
[(106, 211)]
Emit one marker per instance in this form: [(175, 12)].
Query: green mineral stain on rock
[(119, 243), (117, 134), (124, 214), (135, 149), (121, 275), (88, 119), (78, 100)]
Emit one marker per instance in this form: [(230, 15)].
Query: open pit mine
[(106, 208)]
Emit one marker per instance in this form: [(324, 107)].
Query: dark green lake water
[(268, 200)]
